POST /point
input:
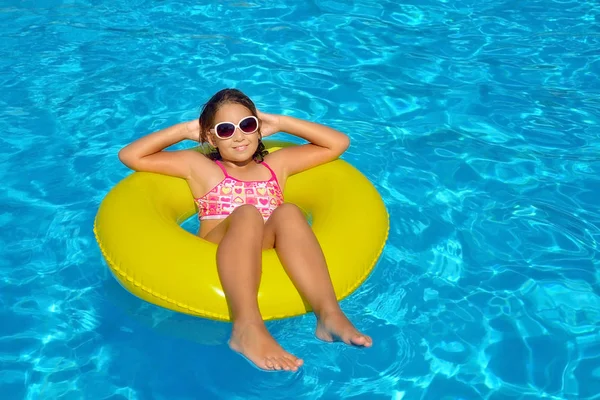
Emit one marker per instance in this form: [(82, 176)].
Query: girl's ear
[(210, 139)]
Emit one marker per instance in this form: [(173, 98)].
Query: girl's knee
[(290, 210), (247, 213)]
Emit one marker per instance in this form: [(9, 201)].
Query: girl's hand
[(193, 130), (269, 123)]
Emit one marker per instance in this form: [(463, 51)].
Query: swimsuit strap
[(222, 168), (273, 176)]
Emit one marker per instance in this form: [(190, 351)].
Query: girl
[(233, 126)]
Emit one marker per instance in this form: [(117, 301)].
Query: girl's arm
[(326, 144), (146, 154)]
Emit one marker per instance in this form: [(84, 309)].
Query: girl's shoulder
[(205, 173), (200, 164)]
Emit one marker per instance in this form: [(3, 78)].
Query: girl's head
[(229, 123)]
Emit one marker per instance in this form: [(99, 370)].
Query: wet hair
[(207, 120)]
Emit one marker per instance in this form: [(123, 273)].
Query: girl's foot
[(254, 342), (335, 326)]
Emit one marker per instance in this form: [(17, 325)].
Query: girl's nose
[(238, 134)]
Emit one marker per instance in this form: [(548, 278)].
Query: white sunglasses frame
[(235, 127)]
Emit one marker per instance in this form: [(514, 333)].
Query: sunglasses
[(225, 130)]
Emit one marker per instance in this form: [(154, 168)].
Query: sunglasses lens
[(248, 125), (225, 130)]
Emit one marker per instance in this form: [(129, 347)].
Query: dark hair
[(207, 119)]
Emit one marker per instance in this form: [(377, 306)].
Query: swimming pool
[(477, 121)]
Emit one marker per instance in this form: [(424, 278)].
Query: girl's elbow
[(346, 142), (337, 147), (126, 158), (343, 145), (123, 157)]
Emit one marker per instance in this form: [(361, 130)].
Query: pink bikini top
[(230, 193)]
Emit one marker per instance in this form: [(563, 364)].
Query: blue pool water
[(476, 120)]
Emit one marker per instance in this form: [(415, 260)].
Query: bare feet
[(335, 326), (255, 343)]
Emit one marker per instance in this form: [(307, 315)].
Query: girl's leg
[(300, 253), (240, 239)]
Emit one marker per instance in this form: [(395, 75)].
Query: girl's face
[(240, 145)]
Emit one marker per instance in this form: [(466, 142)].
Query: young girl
[(233, 126)]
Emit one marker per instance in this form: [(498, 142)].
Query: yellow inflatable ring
[(139, 233)]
